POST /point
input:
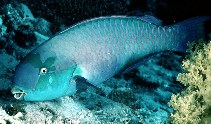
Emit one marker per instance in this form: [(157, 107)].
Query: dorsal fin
[(151, 19)]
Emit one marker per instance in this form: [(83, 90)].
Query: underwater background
[(140, 96)]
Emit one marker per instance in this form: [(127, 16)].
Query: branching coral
[(193, 105)]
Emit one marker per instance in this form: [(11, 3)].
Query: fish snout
[(18, 93)]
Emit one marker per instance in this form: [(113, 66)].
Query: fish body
[(96, 50)]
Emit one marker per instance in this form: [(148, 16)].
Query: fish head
[(40, 78)]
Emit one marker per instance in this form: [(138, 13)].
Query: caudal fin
[(192, 30)]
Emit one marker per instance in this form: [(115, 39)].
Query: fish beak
[(18, 94)]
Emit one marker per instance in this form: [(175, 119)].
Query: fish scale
[(124, 37), (116, 37)]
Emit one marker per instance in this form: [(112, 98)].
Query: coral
[(3, 28), (43, 26), (7, 119), (194, 104), (125, 96), (7, 65), (13, 109), (18, 24)]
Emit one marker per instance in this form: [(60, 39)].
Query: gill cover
[(28, 72)]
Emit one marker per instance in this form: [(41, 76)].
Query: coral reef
[(193, 105), (137, 97), (19, 34), (136, 100), (5, 118)]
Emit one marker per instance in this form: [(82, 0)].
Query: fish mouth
[(18, 93)]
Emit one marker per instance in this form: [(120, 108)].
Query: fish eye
[(43, 70)]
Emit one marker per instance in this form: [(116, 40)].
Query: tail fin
[(192, 30)]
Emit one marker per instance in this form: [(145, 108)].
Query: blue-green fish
[(92, 51)]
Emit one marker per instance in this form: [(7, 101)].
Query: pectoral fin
[(82, 84)]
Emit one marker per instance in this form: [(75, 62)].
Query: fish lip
[(18, 93)]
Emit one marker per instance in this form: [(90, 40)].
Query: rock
[(1, 21), (18, 20), (3, 122), (18, 115), (7, 64), (13, 18), (27, 14), (25, 36), (3, 28), (40, 38), (125, 96), (43, 26)]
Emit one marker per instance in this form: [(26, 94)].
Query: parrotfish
[(94, 50)]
